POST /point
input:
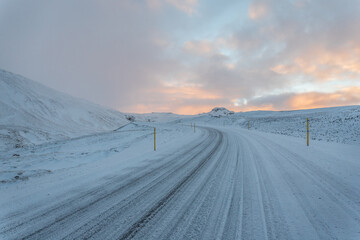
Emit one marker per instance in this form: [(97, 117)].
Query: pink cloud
[(187, 6), (306, 100), (343, 97), (258, 10), (202, 47), (179, 99)]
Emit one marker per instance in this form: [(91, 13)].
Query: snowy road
[(228, 184)]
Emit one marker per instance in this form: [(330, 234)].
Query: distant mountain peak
[(220, 112)]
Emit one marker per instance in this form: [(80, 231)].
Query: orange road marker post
[(154, 139), (307, 123)]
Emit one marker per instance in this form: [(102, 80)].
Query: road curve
[(229, 185)]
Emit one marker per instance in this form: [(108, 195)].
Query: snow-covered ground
[(219, 182), (159, 117), (71, 169), (337, 124), (31, 113), (20, 164)]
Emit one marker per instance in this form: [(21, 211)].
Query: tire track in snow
[(314, 215), (235, 212), (179, 214), (74, 216), (276, 225), (229, 186), (120, 210), (333, 187), (160, 204), (84, 200)]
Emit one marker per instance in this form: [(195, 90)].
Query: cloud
[(172, 55), (307, 100), (179, 99), (258, 9), (323, 64), (343, 97), (154, 4), (324, 47), (203, 47), (88, 48), (187, 6)]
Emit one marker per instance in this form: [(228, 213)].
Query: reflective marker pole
[(248, 125), (307, 121), (194, 127), (154, 139)]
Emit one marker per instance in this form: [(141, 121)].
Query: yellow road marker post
[(154, 139), (307, 121)]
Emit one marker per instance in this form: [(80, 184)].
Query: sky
[(188, 56)]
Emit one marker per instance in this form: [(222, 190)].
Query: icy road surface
[(225, 183)]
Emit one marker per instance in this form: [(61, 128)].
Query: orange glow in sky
[(177, 56)]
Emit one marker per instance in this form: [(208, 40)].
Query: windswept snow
[(31, 113), (217, 183), (337, 124), (74, 170), (159, 117)]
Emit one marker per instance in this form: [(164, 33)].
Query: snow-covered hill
[(220, 112), (158, 117), (31, 113), (337, 124)]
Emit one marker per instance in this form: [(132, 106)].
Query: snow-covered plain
[(74, 170), (337, 124), (216, 183)]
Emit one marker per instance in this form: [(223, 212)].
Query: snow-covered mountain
[(31, 113), (220, 112)]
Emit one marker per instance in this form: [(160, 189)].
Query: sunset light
[(180, 119), (259, 50)]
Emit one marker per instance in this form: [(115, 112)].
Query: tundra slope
[(336, 124), (227, 183), (31, 113)]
